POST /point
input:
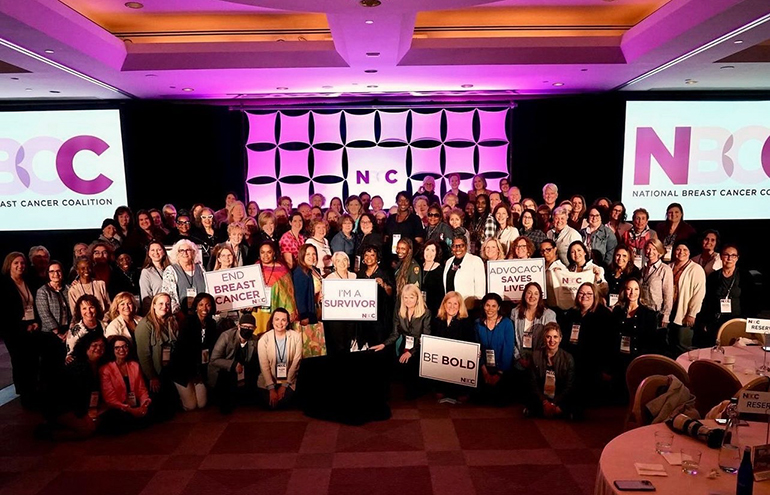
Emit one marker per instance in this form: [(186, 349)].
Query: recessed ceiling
[(244, 49)]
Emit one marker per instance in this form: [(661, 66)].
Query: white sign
[(349, 300), (508, 277), (566, 285), (60, 170), (451, 361), (756, 325), (237, 288), (754, 402)]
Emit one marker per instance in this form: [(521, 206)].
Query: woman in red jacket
[(123, 389)]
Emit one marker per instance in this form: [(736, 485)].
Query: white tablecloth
[(638, 445), (747, 360)]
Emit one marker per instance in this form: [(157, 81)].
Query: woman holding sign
[(498, 342), (580, 262), (280, 353), (340, 334), (588, 325), (279, 287), (409, 323), (552, 378)]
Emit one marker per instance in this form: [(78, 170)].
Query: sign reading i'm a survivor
[(349, 300)]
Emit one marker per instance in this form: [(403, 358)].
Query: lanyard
[(190, 280), (644, 282), (422, 281), (281, 359)]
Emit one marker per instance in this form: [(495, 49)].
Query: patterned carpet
[(425, 448)]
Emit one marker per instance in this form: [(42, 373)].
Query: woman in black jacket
[(189, 363)]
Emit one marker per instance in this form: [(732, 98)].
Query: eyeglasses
[(207, 217), (54, 271), (183, 222), (434, 215), (546, 250), (458, 246), (730, 256), (121, 347), (188, 251), (585, 294)]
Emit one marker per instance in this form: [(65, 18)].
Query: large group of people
[(126, 333)]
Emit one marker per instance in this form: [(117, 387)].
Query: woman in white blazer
[(280, 353), (689, 291), (465, 273)]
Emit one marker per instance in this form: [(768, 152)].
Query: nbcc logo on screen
[(20, 159), (703, 144)]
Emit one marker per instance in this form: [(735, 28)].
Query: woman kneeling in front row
[(280, 353), (552, 377)]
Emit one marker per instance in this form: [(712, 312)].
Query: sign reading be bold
[(451, 361)]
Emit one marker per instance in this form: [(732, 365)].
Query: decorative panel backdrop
[(380, 151)]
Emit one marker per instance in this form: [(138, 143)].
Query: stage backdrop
[(378, 150)]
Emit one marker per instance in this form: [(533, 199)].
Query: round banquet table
[(747, 360), (638, 445)]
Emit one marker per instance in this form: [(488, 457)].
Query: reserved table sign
[(756, 325), (451, 361), (754, 402)]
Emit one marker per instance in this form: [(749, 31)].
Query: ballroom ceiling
[(272, 50)]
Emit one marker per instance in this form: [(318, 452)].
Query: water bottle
[(745, 475), (717, 352), (730, 453)]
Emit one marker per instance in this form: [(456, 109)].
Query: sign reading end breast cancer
[(756, 325), (712, 157), (60, 169), (509, 277), (451, 361), (349, 300), (237, 288)]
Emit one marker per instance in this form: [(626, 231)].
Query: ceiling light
[(370, 3), (281, 88), (368, 21), (188, 89), (54, 91), (326, 87), (27, 89), (49, 51), (583, 70), (558, 84), (14, 78), (150, 75), (372, 86), (466, 85), (372, 54), (738, 42), (172, 87), (134, 5), (690, 81), (371, 71), (727, 67)]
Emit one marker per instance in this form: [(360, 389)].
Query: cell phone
[(634, 486)]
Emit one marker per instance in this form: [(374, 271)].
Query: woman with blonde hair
[(410, 322), (156, 337), (122, 316)]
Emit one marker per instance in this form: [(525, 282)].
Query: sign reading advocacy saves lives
[(451, 361), (349, 300), (237, 288), (508, 277)]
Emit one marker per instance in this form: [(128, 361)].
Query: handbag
[(313, 339)]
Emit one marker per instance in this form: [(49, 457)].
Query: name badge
[(573, 337), (29, 314), (396, 238), (667, 256), (281, 372), (625, 344), (131, 399), (409, 342), (424, 296), (165, 355), (550, 384), (638, 261), (191, 292), (491, 357), (613, 299), (205, 356), (527, 340), (357, 264), (726, 305), (241, 374), (94, 402)]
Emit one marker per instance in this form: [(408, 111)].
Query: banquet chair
[(711, 383), (647, 365), (731, 330), (650, 388)]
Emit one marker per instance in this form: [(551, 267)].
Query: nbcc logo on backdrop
[(19, 163)]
